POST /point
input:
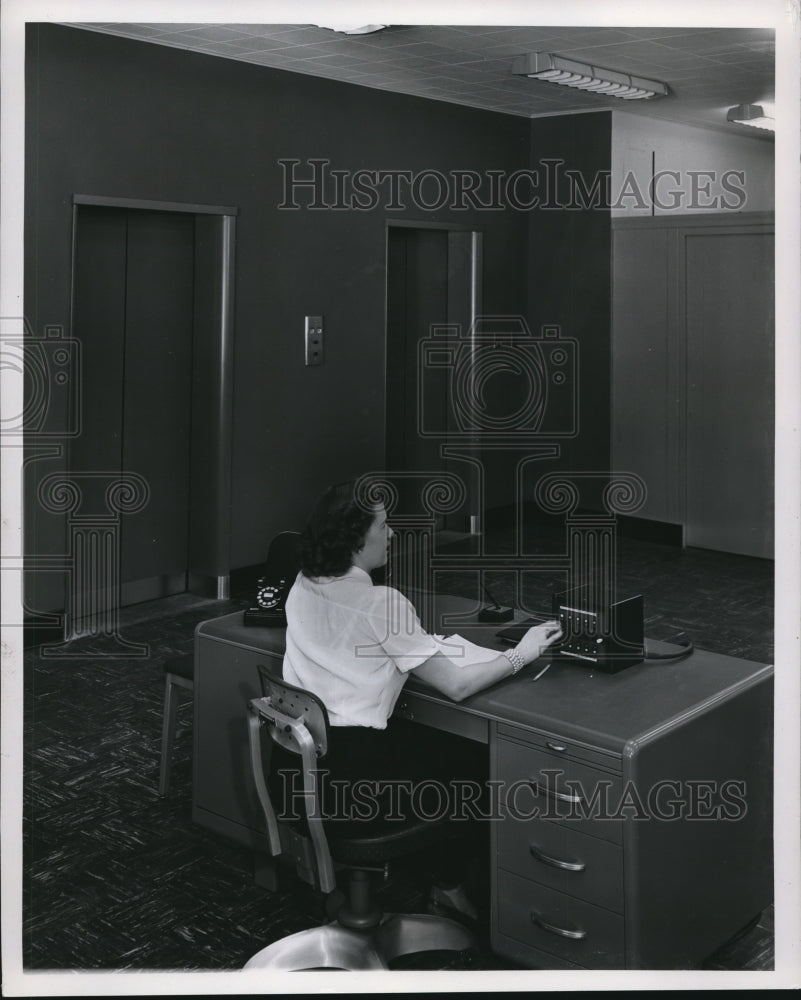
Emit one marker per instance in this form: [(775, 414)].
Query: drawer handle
[(558, 747), (562, 796), (548, 859), (574, 933)]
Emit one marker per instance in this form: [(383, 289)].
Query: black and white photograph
[(401, 480)]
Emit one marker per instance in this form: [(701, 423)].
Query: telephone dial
[(269, 608), (272, 587)]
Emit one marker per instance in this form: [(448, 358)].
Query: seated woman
[(354, 645)]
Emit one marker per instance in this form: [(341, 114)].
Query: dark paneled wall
[(569, 272), (109, 116), (568, 285)]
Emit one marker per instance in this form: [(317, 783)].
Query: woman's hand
[(537, 639)]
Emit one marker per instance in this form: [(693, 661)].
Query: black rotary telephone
[(272, 587), (269, 609)]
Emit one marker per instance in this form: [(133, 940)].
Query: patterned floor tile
[(117, 878)]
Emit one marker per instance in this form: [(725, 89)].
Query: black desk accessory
[(272, 589), (606, 636), (269, 610)]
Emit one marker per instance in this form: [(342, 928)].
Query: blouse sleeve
[(398, 631)]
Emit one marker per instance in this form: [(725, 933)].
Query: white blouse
[(352, 644)]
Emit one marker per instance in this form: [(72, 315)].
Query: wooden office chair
[(361, 936), (179, 672)]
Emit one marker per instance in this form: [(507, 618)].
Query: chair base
[(336, 947)]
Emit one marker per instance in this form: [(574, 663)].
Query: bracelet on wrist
[(515, 658)]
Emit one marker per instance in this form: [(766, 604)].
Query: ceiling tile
[(471, 64)]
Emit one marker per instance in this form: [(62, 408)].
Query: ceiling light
[(751, 114), (610, 83), (353, 29)]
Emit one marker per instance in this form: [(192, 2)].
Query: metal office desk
[(635, 809)]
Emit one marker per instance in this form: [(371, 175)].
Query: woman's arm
[(459, 682)]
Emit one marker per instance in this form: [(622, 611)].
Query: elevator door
[(133, 314), (431, 276), (417, 298)]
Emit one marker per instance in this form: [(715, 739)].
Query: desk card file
[(607, 638), (604, 634)]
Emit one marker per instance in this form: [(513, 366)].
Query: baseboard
[(643, 530), (201, 584)]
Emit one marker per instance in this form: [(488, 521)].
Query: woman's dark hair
[(335, 531)]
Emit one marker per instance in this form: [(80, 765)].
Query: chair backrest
[(296, 703), (297, 721)]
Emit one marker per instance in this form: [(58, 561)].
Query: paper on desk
[(463, 652)]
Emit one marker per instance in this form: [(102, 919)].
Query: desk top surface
[(612, 711)]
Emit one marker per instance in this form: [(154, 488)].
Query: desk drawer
[(562, 859), (553, 922), (550, 742), (449, 719), (559, 789)]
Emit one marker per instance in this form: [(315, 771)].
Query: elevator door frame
[(220, 461)]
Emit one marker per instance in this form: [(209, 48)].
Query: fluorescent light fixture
[(580, 76), (353, 29), (751, 114)]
